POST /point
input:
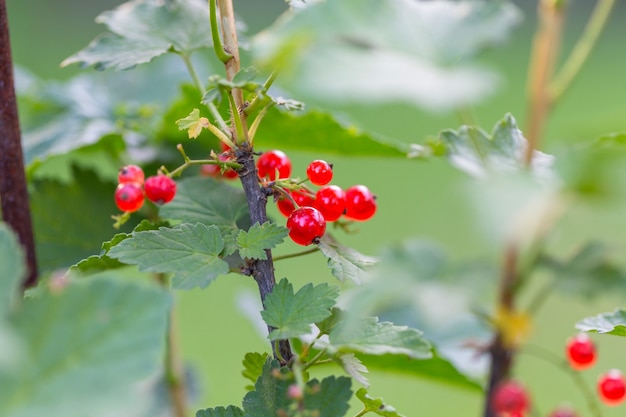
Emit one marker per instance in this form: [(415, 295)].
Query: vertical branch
[(544, 53), (13, 191), (262, 270)]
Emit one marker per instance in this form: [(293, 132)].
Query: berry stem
[(190, 162), (217, 40), (13, 191), (260, 97), (559, 362), (295, 254)]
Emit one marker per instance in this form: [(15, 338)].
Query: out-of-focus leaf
[(270, 392), (253, 366), (376, 405), (354, 51), (606, 323), (94, 341), (141, 30), (12, 268), (329, 398), (230, 411), (191, 252), (323, 134)]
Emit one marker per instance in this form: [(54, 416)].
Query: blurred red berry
[(160, 189), (129, 196)]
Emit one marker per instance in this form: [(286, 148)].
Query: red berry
[(510, 398), (295, 392), (580, 351), (330, 200), (302, 199), (612, 387), (129, 196), (130, 173), (360, 203), (319, 172), (273, 161), (563, 411), (285, 206), (306, 225), (160, 189), (212, 170)]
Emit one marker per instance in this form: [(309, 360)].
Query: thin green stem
[(215, 33), (362, 412), (260, 97), (576, 376), (581, 50), (296, 254), (241, 133), (314, 360), (190, 162)]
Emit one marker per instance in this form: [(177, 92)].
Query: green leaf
[(380, 51), (606, 323), (253, 366), (230, 411), (323, 134), (330, 398), (190, 251), (378, 338), (12, 268), (144, 29), (210, 202), (479, 154), (589, 272), (376, 405), (193, 124), (435, 369), (354, 367), (270, 393), (292, 314), (94, 341), (253, 243), (71, 220), (344, 262)]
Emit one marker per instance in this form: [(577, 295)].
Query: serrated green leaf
[(472, 150), (435, 369), (253, 366), (323, 133), (378, 338), (70, 221), (330, 398), (588, 272), (270, 393), (374, 51), (95, 341), (193, 124), (191, 252), (606, 323), (328, 324), (292, 314), (376, 405), (230, 411), (253, 243), (344, 262), (354, 367), (144, 29), (210, 202), (12, 268), (244, 76)]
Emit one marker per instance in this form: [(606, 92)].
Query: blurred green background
[(416, 199)]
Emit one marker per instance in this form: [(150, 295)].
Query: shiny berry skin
[(272, 161), (580, 351), (360, 203), (563, 412), (510, 398), (302, 199), (330, 200), (319, 172), (306, 226), (160, 189), (129, 196), (130, 173), (612, 387), (211, 170)]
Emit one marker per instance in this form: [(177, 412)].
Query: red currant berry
[(319, 172), (160, 189), (301, 197), (563, 411), (295, 392), (273, 161), (130, 173), (129, 196), (612, 387), (360, 203), (510, 398), (580, 351), (330, 200), (285, 206), (212, 170), (306, 225)]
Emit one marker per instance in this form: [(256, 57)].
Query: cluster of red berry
[(510, 398), (308, 211), (132, 189)]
